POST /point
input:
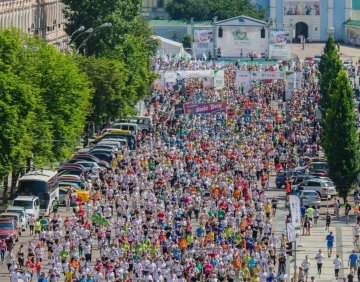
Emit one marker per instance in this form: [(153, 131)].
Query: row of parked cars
[(311, 182), (39, 191)]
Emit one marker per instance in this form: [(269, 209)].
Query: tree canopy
[(44, 101), (127, 47), (204, 10), (341, 137), (329, 67)]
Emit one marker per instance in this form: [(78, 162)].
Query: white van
[(132, 127), (144, 124), (31, 204)]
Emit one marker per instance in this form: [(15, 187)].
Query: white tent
[(170, 47)]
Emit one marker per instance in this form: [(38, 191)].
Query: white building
[(242, 36), (38, 17)]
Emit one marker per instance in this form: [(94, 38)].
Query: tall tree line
[(340, 138)]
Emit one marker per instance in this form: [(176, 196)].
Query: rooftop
[(173, 22), (352, 23)]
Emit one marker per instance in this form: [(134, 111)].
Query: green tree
[(204, 10), (187, 41), (43, 97), (342, 140), (109, 80), (66, 93), (128, 40), (329, 68)]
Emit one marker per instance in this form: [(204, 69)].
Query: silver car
[(322, 186), (309, 198)]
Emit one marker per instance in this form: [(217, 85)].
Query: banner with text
[(243, 79), (204, 108), (279, 47), (295, 210)]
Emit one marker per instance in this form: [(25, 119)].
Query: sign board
[(204, 108), (295, 210), (206, 195), (203, 42), (179, 109), (219, 79), (279, 47), (302, 8), (291, 232)]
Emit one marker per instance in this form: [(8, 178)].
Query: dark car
[(282, 176)]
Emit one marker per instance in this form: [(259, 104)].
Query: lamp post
[(91, 34), (81, 28), (89, 30)]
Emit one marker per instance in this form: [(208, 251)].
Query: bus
[(43, 184)]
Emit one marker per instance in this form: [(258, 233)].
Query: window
[(160, 3), (220, 34), (263, 33)]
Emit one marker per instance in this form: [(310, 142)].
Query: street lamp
[(89, 30), (81, 28), (91, 34)]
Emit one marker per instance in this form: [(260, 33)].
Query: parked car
[(21, 211), (8, 229), (323, 187), (284, 175), (16, 217), (312, 166), (309, 198), (31, 204), (297, 179)]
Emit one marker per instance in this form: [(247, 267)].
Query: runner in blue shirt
[(353, 261), (330, 243)]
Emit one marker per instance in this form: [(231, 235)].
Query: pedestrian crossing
[(310, 245)]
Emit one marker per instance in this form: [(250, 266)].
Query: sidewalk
[(310, 245)]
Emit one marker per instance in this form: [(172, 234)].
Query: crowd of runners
[(191, 202)]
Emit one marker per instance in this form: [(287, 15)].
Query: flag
[(187, 56), (204, 56)]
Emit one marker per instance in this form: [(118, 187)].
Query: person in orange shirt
[(182, 244), (288, 187)]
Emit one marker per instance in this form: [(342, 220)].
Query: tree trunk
[(5, 191), (14, 179)]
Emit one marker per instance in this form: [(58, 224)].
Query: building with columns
[(314, 19), (38, 17), (155, 9)]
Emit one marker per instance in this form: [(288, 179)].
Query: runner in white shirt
[(319, 261), (337, 265)]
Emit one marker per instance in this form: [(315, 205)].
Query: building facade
[(352, 26), (314, 19), (155, 9), (38, 17)]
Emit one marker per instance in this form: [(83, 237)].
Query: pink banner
[(204, 108)]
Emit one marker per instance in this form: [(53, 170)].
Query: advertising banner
[(279, 37), (268, 75), (291, 232), (243, 78), (204, 108), (203, 35), (279, 47), (219, 79), (170, 76), (295, 210), (194, 74), (203, 42), (301, 8)]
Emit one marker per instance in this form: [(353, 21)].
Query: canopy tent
[(169, 47)]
